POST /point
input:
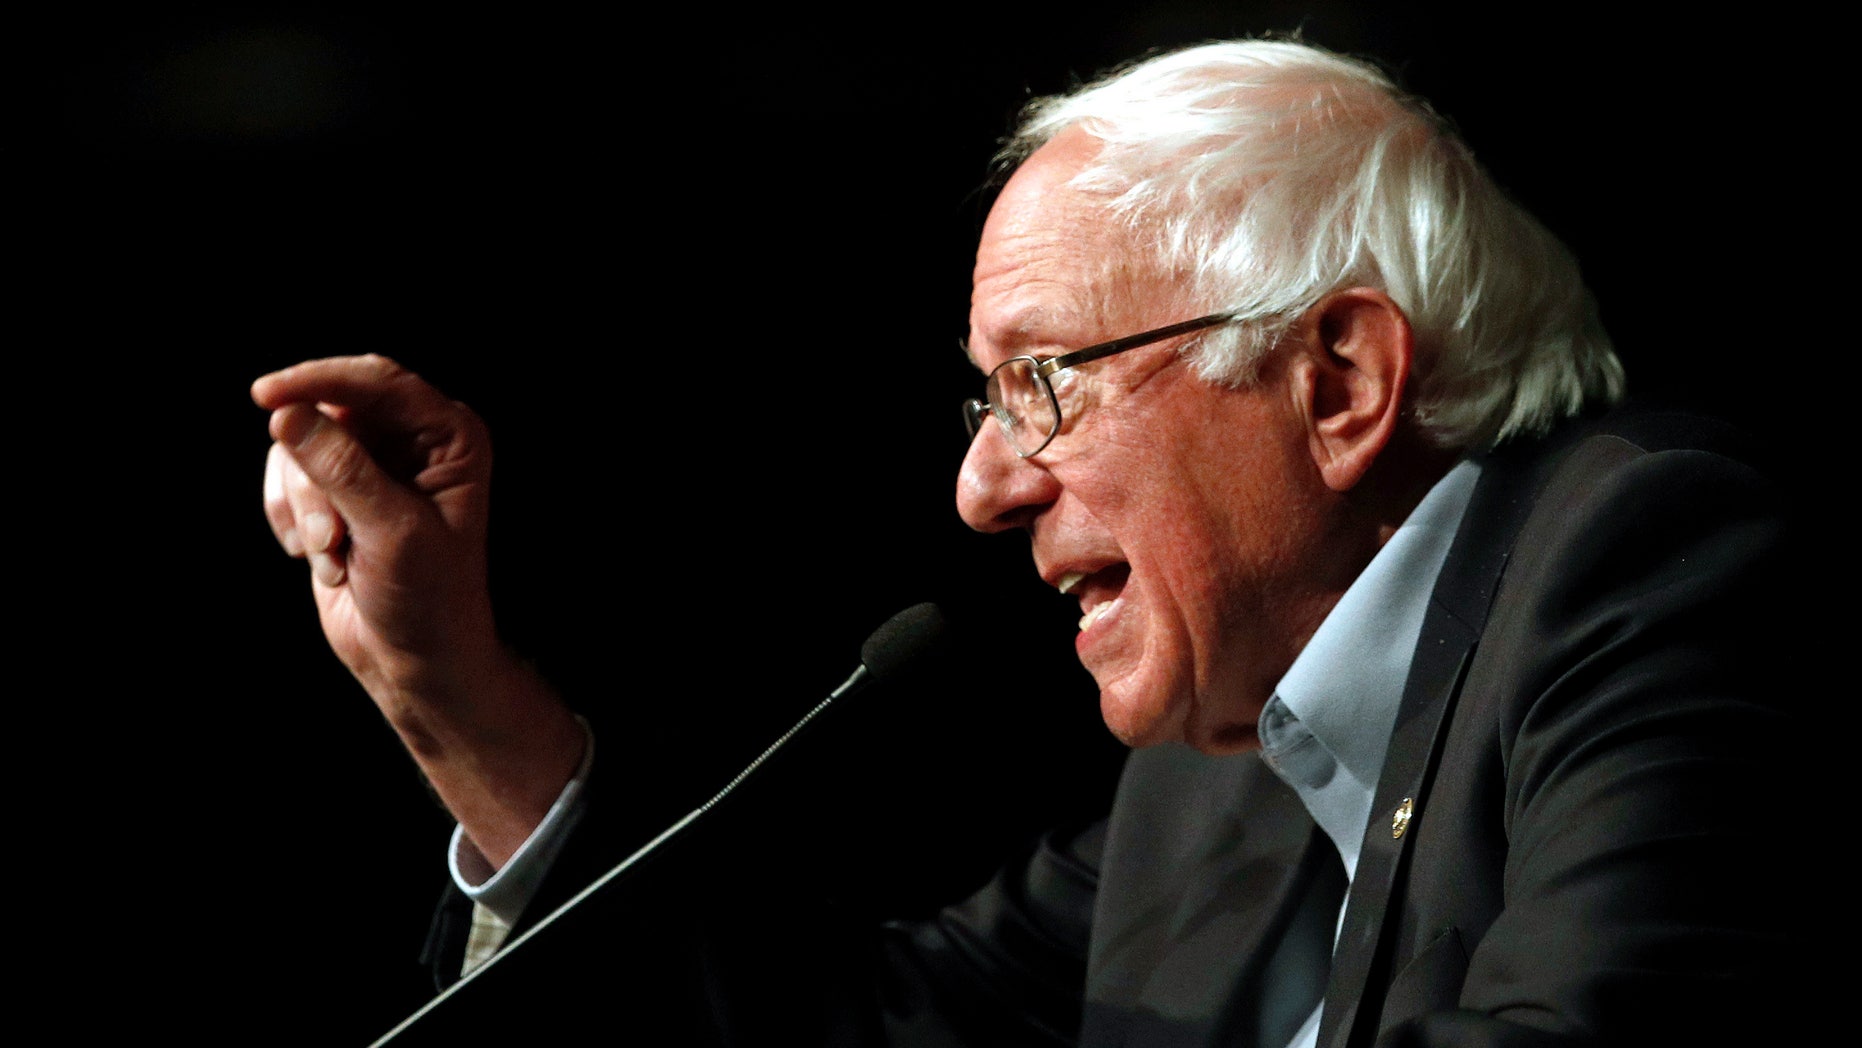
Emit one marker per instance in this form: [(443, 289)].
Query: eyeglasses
[(1022, 399)]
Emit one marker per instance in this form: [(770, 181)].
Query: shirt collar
[(1346, 683), (1328, 725)]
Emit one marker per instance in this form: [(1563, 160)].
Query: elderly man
[(1451, 725)]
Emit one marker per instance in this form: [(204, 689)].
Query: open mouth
[(1098, 591)]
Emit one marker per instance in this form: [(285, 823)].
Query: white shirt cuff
[(506, 891)]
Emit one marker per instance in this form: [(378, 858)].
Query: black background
[(704, 274)]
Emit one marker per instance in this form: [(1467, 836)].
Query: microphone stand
[(903, 639)]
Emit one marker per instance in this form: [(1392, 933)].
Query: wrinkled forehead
[(1055, 270)]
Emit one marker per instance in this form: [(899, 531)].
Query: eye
[(1072, 391), (1069, 385)]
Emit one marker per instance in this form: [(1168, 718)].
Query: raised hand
[(381, 482)]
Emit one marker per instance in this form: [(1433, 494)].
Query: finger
[(416, 434), (341, 471), (372, 385), (278, 511), (329, 569), (320, 528), (303, 519)]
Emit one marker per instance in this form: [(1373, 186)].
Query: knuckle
[(388, 367), (280, 516), (278, 508), (470, 422), (342, 464), (385, 372)]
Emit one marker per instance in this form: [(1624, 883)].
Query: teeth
[(1093, 615), (1070, 580)]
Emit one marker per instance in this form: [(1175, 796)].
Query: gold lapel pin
[(1400, 821)]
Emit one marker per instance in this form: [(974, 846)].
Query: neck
[(1404, 473)]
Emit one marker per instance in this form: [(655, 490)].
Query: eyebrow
[(1024, 325)]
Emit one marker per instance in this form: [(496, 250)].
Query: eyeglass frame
[(975, 408)]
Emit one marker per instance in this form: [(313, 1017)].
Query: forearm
[(498, 757)]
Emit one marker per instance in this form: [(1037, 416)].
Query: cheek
[(1207, 521), (1186, 569), (1226, 550), (1174, 518)]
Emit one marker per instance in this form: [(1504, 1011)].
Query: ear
[(1351, 385)]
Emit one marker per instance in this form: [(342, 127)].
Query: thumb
[(341, 467)]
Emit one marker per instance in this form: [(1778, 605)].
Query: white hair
[(1271, 173)]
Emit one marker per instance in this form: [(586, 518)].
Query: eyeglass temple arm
[(1119, 345)]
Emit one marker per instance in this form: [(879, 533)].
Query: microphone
[(903, 640), (913, 634)]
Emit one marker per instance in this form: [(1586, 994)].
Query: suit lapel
[(1402, 797), (1451, 630)]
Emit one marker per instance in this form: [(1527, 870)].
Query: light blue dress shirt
[(1326, 728)]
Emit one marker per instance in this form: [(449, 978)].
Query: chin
[(1139, 723), (1135, 722), (1137, 715)]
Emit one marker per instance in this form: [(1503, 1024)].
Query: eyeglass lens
[(1024, 405)]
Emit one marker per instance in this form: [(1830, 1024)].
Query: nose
[(998, 490)]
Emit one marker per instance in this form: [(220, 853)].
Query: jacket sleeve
[(723, 937)]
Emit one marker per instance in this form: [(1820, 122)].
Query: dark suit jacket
[(1605, 795)]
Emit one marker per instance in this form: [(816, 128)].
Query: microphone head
[(905, 638)]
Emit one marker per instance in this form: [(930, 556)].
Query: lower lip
[(1088, 635)]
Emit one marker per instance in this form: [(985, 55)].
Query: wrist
[(497, 751)]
